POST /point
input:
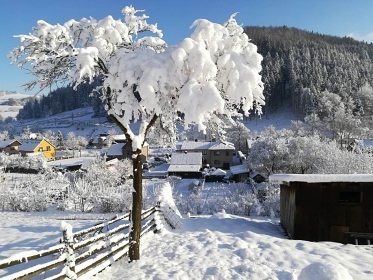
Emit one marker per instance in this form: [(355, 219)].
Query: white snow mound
[(324, 271)]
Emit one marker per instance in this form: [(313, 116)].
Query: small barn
[(239, 173), (327, 207), (217, 175), (123, 151), (186, 165)]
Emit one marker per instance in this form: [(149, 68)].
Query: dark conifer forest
[(302, 66)]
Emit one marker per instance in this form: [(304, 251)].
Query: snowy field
[(6, 110), (221, 246)]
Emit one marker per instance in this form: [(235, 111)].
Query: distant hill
[(11, 102), (300, 65)]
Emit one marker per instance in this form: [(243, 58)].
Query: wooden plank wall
[(314, 212)]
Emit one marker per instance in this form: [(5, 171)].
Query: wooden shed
[(327, 207)]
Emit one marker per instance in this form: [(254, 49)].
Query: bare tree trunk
[(134, 237)]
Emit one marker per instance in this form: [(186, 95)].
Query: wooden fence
[(87, 252)]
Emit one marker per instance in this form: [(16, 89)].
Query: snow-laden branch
[(69, 52), (216, 70)]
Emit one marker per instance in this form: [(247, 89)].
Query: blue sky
[(332, 17)]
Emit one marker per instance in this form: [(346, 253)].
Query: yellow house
[(38, 146)]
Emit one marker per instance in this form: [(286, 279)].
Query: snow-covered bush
[(235, 198), (238, 202), (113, 199), (269, 204), (284, 152), (28, 197), (17, 162)]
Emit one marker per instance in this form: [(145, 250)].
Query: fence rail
[(84, 253)]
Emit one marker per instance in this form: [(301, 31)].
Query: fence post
[(68, 240), (157, 218)]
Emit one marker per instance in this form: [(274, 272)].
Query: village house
[(185, 165), (35, 146), (215, 153), (101, 141), (10, 146), (123, 151), (327, 207)]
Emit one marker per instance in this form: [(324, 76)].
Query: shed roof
[(320, 178), (184, 168), (239, 169), (205, 145), (186, 159), (116, 149), (218, 172)]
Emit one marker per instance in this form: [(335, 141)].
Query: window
[(350, 197), (48, 148), (40, 149), (216, 153), (204, 152), (227, 153), (217, 162)]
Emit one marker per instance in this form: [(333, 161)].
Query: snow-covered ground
[(220, 246), (280, 119)]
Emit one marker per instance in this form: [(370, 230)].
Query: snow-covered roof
[(184, 168), (86, 163), (115, 149), (239, 169), (119, 137), (194, 145), (29, 145), (186, 159), (222, 146), (319, 178), (255, 173), (368, 142), (6, 143), (218, 172), (203, 145), (185, 162)]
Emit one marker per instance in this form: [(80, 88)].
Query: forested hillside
[(61, 100), (301, 65)]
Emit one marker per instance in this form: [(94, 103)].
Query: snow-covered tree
[(74, 142), (215, 71), (4, 135), (51, 137), (237, 134), (26, 133)]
